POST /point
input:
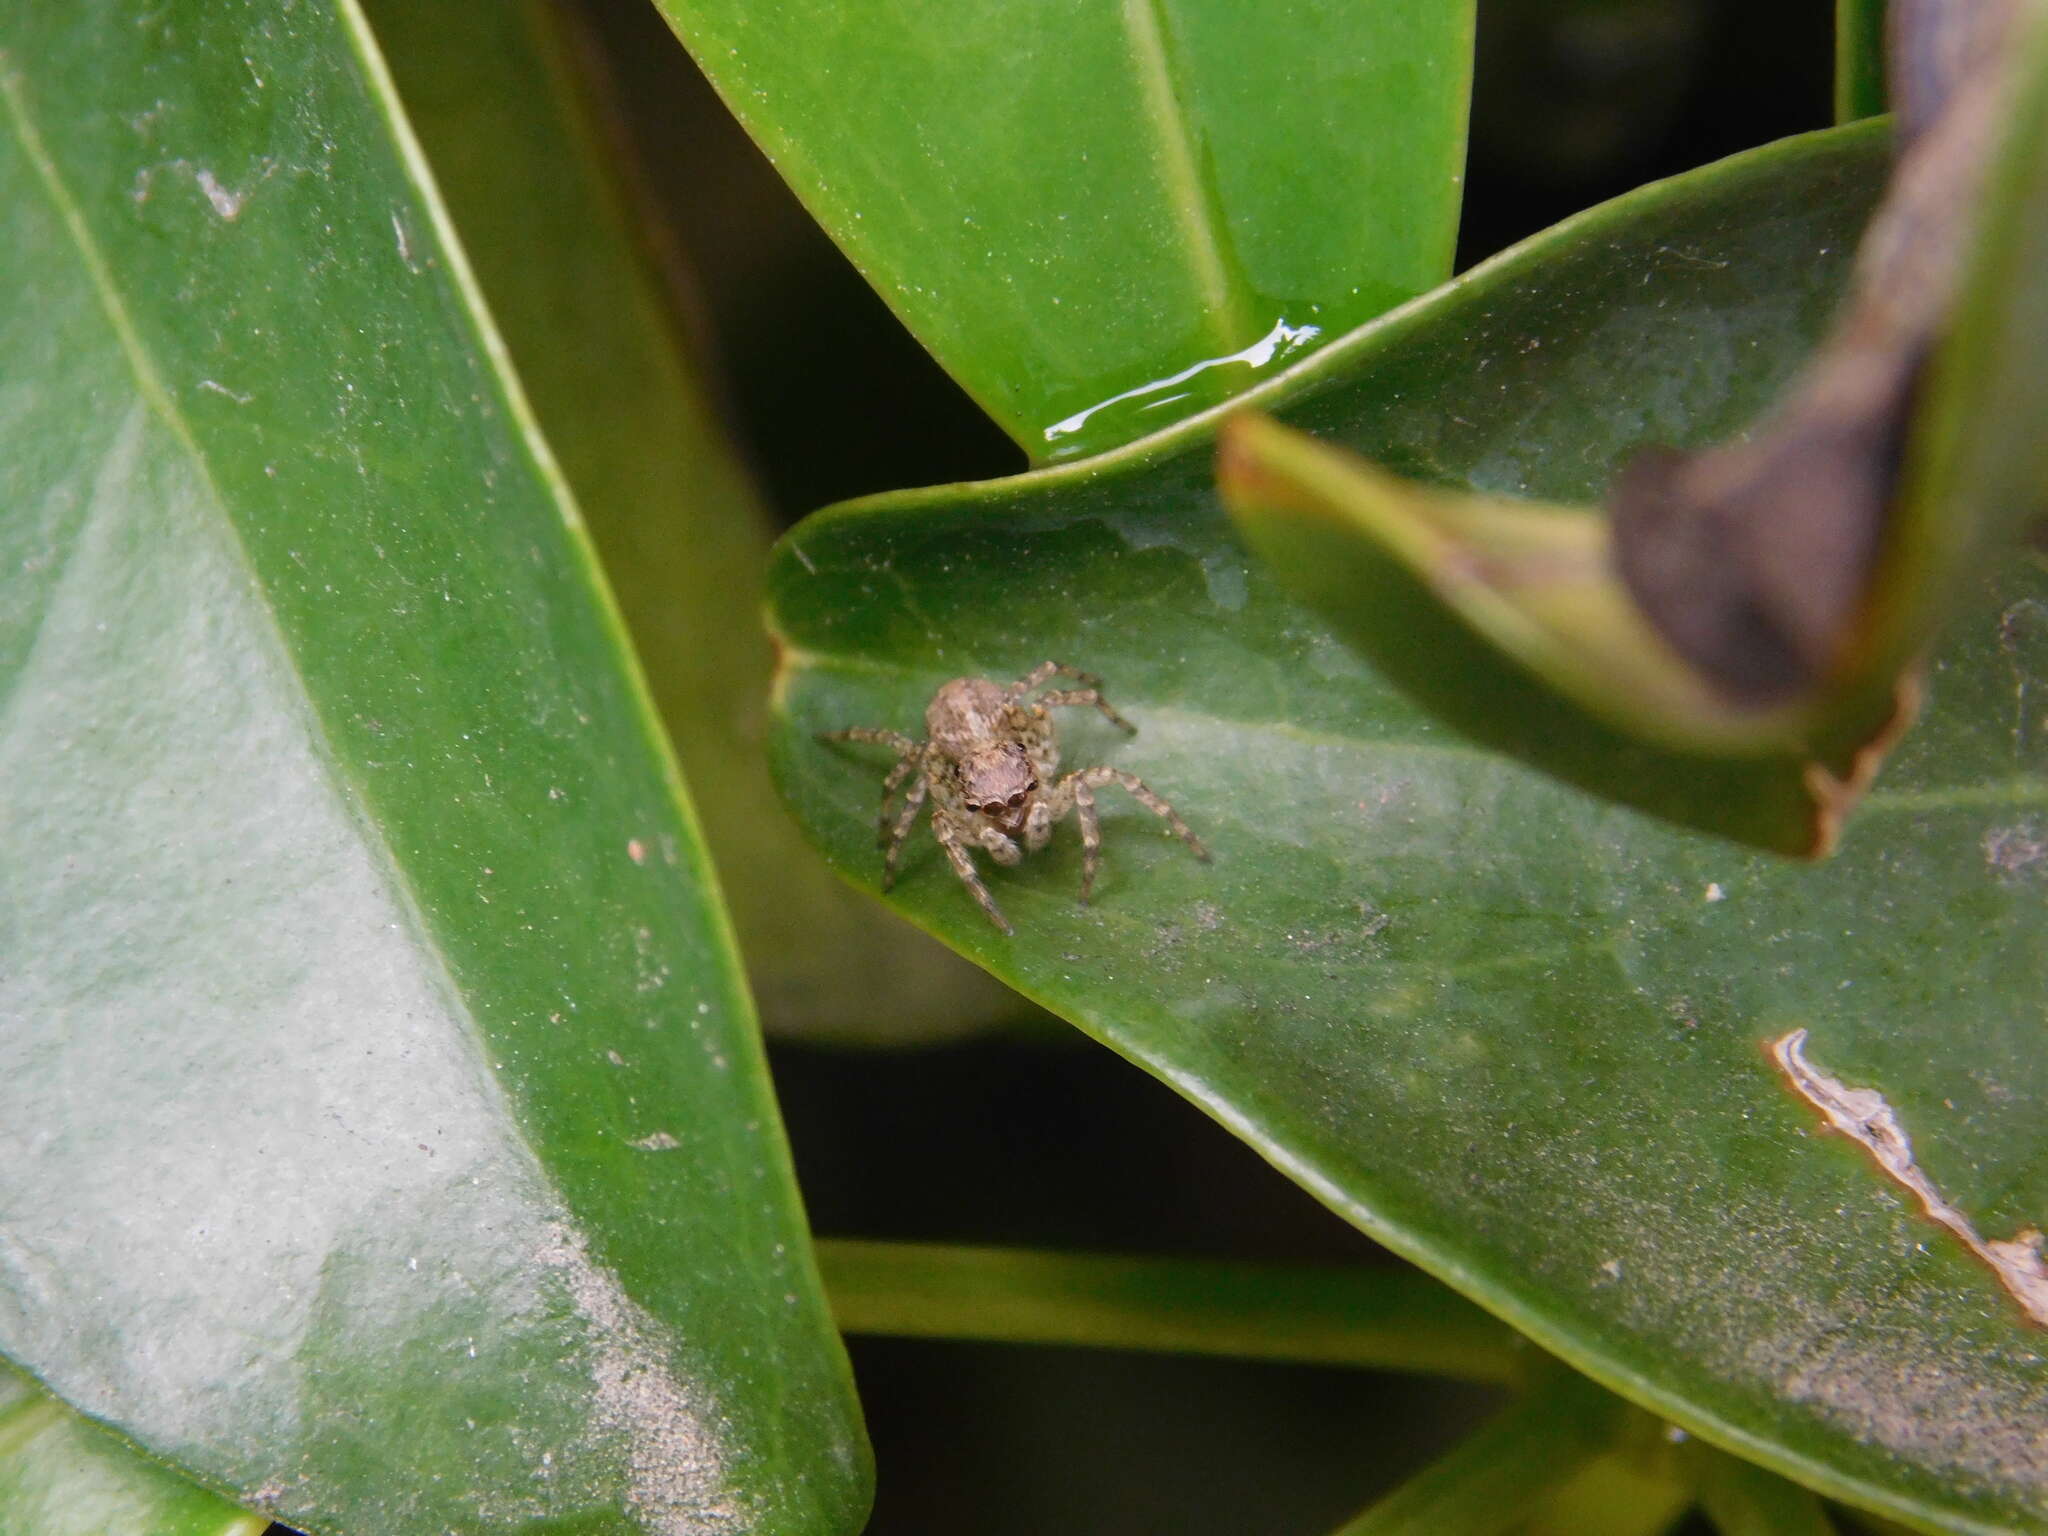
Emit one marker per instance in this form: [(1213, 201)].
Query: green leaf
[(60, 1476), (499, 99), (1517, 1034), (384, 1137), (1859, 59), (1101, 215)]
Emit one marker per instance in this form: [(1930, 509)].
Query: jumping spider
[(987, 753)]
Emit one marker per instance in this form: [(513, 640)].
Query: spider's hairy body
[(988, 764)]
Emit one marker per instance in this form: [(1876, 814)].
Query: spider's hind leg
[(1044, 672), (1088, 698)]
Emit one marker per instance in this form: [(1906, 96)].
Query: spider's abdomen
[(968, 710)]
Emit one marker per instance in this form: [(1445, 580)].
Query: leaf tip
[(1834, 794)]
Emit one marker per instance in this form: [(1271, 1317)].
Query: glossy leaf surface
[(60, 1476), (1074, 203), (383, 1134), (506, 111), (1517, 1034)]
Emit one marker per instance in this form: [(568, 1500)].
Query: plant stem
[(1391, 1319), (1859, 59), (1621, 1493), (1746, 1500), (1492, 1481)]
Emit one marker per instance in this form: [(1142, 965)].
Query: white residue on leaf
[(226, 203), (659, 1141), (2011, 850), (1863, 1115), (677, 1481)]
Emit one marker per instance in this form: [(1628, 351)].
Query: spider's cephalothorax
[(987, 763)]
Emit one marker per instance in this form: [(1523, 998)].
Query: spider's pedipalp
[(999, 847)]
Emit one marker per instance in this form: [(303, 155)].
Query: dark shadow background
[(1044, 1140)]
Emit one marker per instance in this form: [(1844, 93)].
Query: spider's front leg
[(873, 735), (947, 830), (892, 836), (903, 770)]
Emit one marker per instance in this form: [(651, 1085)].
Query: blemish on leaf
[(2013, 850), (404, 240), (1863, 1115), (676, 1461)]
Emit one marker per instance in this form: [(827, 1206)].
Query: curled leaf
[(1750, 614), (1756, 559), (1506, 619)]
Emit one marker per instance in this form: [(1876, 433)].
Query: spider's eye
[(1017, 799), (993, 808)]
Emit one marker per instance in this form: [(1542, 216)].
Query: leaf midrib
[(1193, 198)]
